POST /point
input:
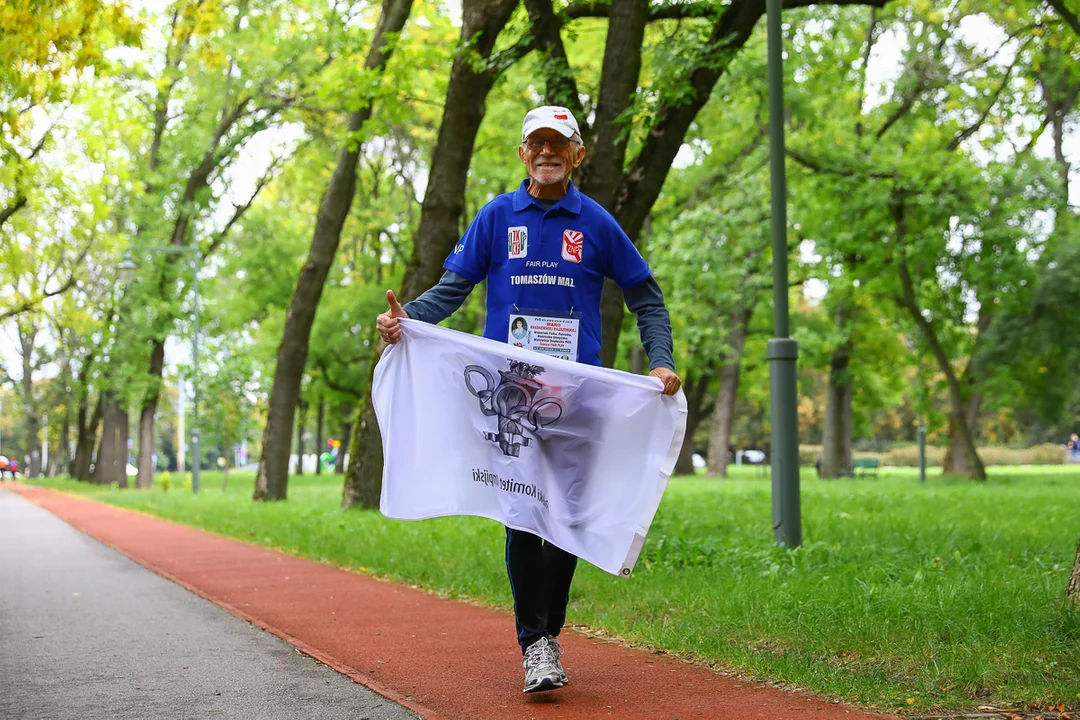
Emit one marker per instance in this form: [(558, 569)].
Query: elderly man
[(559, 246)]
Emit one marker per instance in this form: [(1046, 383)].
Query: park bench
[(865, 466)]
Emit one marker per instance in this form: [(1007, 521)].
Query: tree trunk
[(346, 436), (271, 482), (836, 440), (956, 460), (849, 424), (60, 461), (724, 407), (695, 389), (145, 479), (319, 437), (366, 458), (1072, 588), (302, 415), (111, 465), (470, 82), (600, 178), (976, 470), (27, 335), (84, 444), (637, 360)]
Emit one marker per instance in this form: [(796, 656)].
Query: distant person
[(1074, 448)]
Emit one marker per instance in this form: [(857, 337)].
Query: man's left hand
[(671, 381)]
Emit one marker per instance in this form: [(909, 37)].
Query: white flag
[(576, 454)]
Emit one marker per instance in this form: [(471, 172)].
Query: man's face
[(547, 165)]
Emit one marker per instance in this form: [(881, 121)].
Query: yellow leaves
[(89, 54), (207, 17), (213, 57)]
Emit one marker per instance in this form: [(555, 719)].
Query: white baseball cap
[(552, 117)]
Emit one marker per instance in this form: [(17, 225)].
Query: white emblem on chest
[(517, 242)]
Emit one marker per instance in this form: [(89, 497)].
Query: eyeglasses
[(557, 143)]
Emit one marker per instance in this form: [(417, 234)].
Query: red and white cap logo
[(572, 244)]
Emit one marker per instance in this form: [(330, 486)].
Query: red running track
[(441, 658)]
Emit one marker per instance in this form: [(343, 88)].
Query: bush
[(809, 454), (1048, 454), (1001, 456), (908, 455), (1045, 454)]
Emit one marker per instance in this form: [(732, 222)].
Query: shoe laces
[(539, 654), (556, 647)]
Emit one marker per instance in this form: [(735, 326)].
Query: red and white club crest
[(572, 244)]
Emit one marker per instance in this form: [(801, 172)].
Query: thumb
[(395, 306)]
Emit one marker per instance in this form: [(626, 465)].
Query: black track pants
[(540, 575)]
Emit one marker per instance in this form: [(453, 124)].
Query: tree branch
[(330, 383), (676, 11), (866, 64), (239, 210), (561, 87), (1067, 15), (901, 111), (34, 302), (920, 86), (974, 127), (816, 166), (17, 203)]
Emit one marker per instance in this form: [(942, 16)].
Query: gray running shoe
[(557, 651), (541, 668)]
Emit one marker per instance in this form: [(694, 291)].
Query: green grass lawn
[(905, 596)]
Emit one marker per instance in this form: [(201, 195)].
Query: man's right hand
[(387, 323)]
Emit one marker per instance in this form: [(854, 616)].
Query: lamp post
[(783, 351), (921, 432), (127, 268)]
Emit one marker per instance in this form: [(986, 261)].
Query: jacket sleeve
[(441, 301), (646, 300)]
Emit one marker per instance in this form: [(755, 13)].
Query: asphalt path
[(87, 633)]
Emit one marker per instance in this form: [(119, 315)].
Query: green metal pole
[(783, 351), (921, 434)]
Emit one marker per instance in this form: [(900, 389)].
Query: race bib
[(555, 335)]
